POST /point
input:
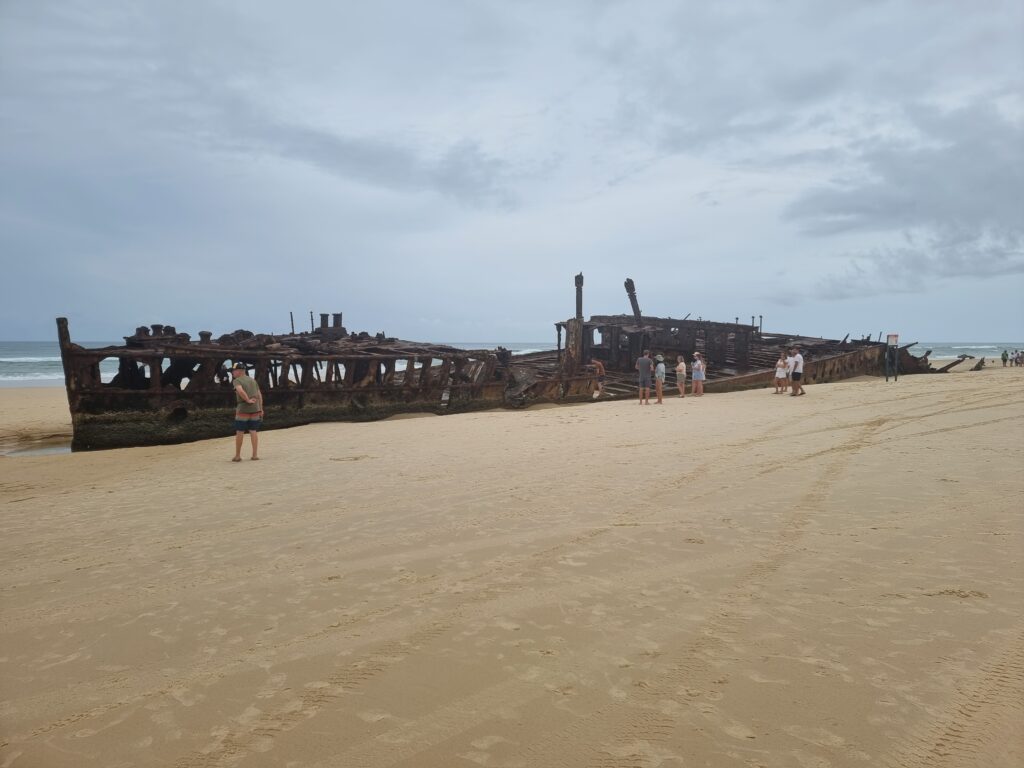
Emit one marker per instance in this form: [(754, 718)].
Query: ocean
[(37, 363), (987, 349)]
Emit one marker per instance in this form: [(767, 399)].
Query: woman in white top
[(781, 374), (681, 375)]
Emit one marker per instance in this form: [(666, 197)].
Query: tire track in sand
[(638, 731), (981, 725)]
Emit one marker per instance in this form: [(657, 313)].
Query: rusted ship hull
[(738, 355), (170, 390)]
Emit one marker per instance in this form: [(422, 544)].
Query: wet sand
[(743, 579)]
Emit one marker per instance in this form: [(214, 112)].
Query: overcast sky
[(441, 170)]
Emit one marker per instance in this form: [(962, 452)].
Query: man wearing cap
[(249, 410)]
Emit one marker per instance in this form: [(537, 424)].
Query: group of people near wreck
[(652, 371), (1016, 359), (789, 373), (651, 374)]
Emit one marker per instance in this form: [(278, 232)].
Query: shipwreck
[(171, 388)]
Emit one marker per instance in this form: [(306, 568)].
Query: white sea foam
[(29, 359), (46, 376), (32, 376)]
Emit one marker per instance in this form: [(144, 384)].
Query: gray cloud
[(951, 193), (950, 254), (964, 168), (463, 171), (170, 79)]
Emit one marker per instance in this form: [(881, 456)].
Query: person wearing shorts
[(659, 377), (681, 375), (645, 369), (698, 369), (248, 410), (798, 373)]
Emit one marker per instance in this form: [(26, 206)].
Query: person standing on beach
[(659, 378), (681, 375), (1006, 356), (781, 374), (698, 371), (598, 367), (798, 373), (644, 367), (248, 411)]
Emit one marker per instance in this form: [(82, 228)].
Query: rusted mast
[(631, 293), (572, 361), (64, 339)]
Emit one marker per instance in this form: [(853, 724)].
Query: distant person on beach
[(798, 373), (1006, 357), (681, 375), (645, 368), (598, 367), (698, 370), (781, 374), (659, 377), (248, 411)]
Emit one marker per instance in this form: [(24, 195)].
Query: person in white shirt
[(798, 373)]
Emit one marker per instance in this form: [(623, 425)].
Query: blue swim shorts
[(248, 425)]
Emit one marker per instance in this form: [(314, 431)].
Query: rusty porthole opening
[(177, 414)]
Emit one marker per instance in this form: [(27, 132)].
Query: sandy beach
[(742, 580)]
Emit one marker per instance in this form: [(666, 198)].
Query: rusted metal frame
[(207, 373), (948, 366), (304, 369), (408, 375), (444, 383)]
